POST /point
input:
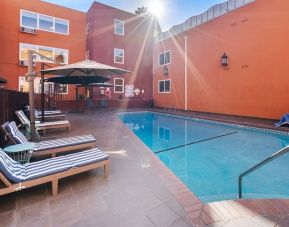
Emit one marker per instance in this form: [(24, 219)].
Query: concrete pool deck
[(140, 191)]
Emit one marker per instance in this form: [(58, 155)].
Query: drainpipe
[(186, 72)]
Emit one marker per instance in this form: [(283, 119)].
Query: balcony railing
[(212, 13)]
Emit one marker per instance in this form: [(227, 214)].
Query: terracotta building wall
[(10, 37), (137, 44), (256, 40)]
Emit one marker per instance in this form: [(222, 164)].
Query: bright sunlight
[(157, 7)]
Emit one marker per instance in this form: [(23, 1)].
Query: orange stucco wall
[(10, 37), (256, 39)]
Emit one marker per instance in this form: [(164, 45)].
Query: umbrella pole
[(42, 93), (30, 78)]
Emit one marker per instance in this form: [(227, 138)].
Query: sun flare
[(156, 7)]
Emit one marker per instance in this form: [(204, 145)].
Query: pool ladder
[(259, 165), (172, 108)]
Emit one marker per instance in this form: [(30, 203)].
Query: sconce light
[(225, 60), (166, 71)]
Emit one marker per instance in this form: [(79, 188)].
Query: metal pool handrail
[(260, 164)]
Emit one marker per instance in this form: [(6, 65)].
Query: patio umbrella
[(85, 68), (96, 85), (3, 81), (83, 80)]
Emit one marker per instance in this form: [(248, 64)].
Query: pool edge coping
[(201, 214)]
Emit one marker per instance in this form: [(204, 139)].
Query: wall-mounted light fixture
[(166, 71), (224, 60)]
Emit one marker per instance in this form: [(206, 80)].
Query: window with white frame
[(118, 85), (61, 89), (164, 86), (118, 56), (43, 22), (23, 85), (59, 55), (164, 133), (118, 27), (165, 58), (87, 55), (87, 28)]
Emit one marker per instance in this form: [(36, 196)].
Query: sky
[(174, 11)]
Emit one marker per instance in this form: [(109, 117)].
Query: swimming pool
[(209, 156)]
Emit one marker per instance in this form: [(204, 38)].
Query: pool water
[(208, 157)]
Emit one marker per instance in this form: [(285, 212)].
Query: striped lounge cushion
[(12, 170), (46, 167), (64, 142), (87, 157), (43, 124), (16, 172), (17, 135), (12, 128)]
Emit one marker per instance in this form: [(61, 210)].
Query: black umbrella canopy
[(96, 85), (85, 68), (3, 81), (83, 80)]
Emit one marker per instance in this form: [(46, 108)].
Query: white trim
[(164, 92), (186, 73), (115, 56), (87, 55), (164, 59), (87, 31), (65, 93), (37, 49), (115, 32), (165, 129), (118, 92), (38, 14)]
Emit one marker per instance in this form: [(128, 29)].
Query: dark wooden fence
[(11, 101)]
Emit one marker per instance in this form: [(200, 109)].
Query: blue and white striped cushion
[(12, 128), (70, 141), (46, 167), (11, 169), (16, 172), (87, 157), (19, 138)]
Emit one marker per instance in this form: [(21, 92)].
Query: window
[(24, 85), (118, 56), (28, 19), (43, 22), (164, 133), (61, 26), (87, 28), (118, 27), (59, 55), (24, 51), (46, 23), (164, 86), (118, 85), (87, 55), (61, 88), (165, 58)]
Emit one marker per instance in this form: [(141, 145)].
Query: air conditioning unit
[(25, 63), (28, 30)]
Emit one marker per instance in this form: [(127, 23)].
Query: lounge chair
[(17, 177), (48, 115), (43, 126), (46, 112), (48, 147), (283, 121)]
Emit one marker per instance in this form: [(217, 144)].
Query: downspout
[(186, 72)]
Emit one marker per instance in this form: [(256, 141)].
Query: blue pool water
[(215, 156)]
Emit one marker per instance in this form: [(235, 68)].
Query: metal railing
[(259, 165), (212, 13)]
